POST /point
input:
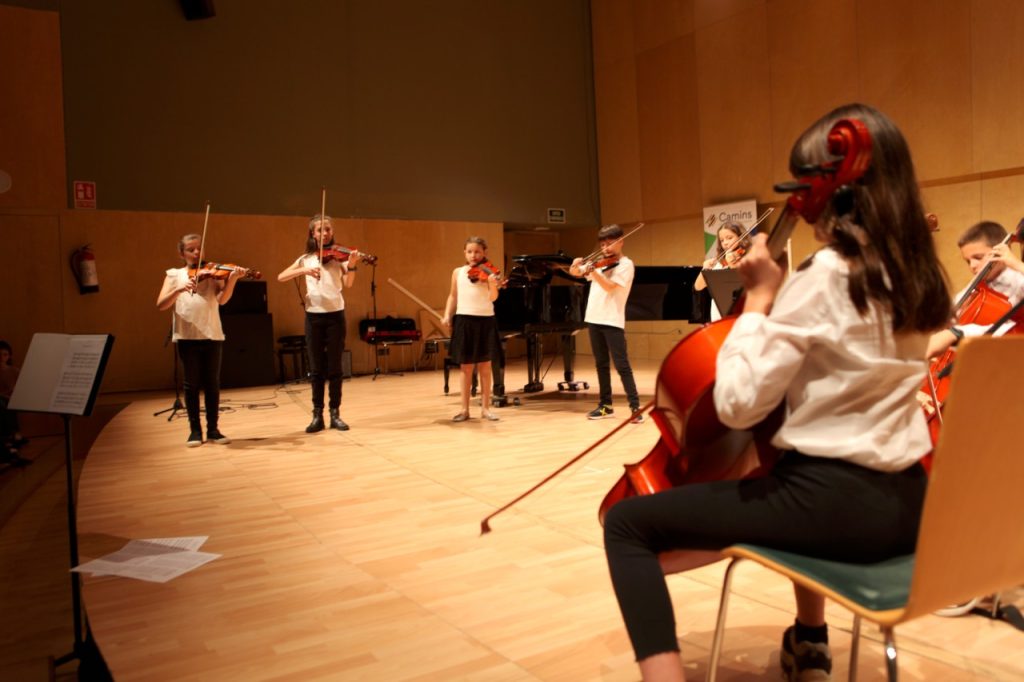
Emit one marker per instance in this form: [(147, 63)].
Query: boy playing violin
[(606, 319), (197, 296), (325, 315), (980, 245)]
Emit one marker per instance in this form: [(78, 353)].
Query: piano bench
[(383, 349), (434, 350)]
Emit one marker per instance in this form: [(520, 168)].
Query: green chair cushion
[(880, 586)]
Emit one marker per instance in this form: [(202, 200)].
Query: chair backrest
[(971, 541)]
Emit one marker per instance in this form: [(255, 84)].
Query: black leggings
[(811, 505), (201, 362), (325, 339)]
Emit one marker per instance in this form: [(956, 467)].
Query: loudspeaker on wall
[(198, 9)]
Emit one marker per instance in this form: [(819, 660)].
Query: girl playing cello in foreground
[(843, 342)]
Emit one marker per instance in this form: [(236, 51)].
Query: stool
[(432, 351), (295, 347), (383, 350)]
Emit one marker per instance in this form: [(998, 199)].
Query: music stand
[(61, 374), (725, 287)]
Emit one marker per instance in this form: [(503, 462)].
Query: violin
[(605, 263), (483, 270), (694, 446), (221, 271), (342, 254)]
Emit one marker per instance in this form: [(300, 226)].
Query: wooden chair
[(969, 540)]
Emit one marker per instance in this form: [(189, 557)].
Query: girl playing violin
[(842, 342), (469, 311), (980, 245), (197, 296), (730, 247), (325, 315)]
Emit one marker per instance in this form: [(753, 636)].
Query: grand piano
[(543, 298)]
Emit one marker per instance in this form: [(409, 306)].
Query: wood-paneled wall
[(698, 102)]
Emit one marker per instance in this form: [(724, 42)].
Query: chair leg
[(890, 653), (723, 605), (854, 648)]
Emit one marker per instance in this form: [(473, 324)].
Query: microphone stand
[(375, 341), (173, 409)]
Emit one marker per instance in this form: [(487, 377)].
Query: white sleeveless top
[(472, 299)]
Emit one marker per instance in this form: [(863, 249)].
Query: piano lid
[(528, 270), (662, 292)]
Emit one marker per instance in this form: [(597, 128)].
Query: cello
[(694, 445), (979, 304)]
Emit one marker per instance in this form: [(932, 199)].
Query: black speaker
[(248, 350), (249, 297), (198, 9)]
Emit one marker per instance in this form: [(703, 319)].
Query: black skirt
[(474, 339)]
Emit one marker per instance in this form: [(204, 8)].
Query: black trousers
[(610, 341), (325, 341), (8, 421), (201, 362), (809, 505)]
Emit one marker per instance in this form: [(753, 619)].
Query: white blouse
[(324, 295), (196, 316), (848, 382)]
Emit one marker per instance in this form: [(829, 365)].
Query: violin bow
[(595, 255), (202, 243), (485, 525), (415, 298), (743, 236), (323, 210)]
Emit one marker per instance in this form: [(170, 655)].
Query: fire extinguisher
[(83, 265)]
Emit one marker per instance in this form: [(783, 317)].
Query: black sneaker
[(195, 439), (804, 661), (601, 412), (217, 437), (637, 417)]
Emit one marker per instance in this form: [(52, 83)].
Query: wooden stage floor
[(358, 555)]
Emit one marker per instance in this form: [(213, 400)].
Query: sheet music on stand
[(725, 287), (61, 375)]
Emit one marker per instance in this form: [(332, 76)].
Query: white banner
[(742, 212)]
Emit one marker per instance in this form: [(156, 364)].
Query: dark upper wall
[(446, 110)]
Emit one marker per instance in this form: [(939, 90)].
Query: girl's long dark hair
[(878, 225)]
